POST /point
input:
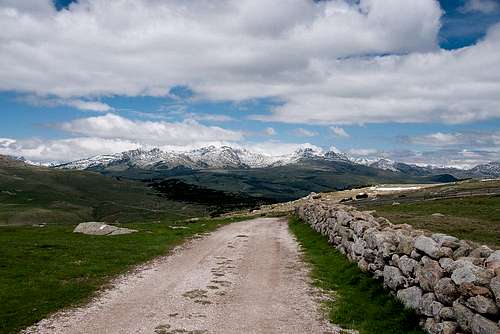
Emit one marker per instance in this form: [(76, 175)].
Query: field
[(468, 210), (359, 301), (43, 269), (475, 218), (33, 195)]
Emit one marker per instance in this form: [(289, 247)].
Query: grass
[(360, 301), (475, 218), (34, 195), (45, 269)]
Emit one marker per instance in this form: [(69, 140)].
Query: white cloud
[(80, 104), (483, 6), (444, 86), (111, 126), (64, 149), (339, 132), (301, 132), (463, 139), (269, 131), (302, 52), (363, 152)]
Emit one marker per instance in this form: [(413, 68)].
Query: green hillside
[(34, 195)]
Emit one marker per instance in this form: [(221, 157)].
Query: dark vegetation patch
[(217, 201), (359, 302), (44, 269)]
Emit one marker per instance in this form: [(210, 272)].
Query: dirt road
[(246, 277)]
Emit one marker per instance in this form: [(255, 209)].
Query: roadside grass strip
[(359, 301)]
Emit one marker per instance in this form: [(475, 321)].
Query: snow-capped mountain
[(491, 169), (385, 164), (226, 157), (210, 157)]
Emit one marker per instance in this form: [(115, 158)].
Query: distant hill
[(34, 195)]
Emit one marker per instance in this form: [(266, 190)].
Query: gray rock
[(493, 261), (464, 316), (446, 291), (448, 327), (411, 297), (428, 273), (407, 265), (429, 306), (444, 240), (405, 243), (466, 272), (447, 313), (481, 251), (415, 255), (446, 263), (482, 305), (481, 325), (463, 250), (431, 326), (495, 287), (428, 246), (98, 228), (393, 277), (375, 239), (359, 247)]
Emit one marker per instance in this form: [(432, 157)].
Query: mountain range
[(225, 157)]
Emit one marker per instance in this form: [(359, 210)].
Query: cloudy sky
[(411, 80)]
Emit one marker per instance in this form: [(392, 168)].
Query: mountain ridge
[(226, 157)]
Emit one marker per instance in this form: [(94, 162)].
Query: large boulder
[(98, 228)]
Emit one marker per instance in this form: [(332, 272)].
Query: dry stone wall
[(453, 284)]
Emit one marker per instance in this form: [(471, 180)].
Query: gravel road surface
[(246, 277)]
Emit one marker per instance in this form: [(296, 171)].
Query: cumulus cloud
[(64, 150), (301, 132), (300, 52), (111, 126), (339, 132), (483, 6)]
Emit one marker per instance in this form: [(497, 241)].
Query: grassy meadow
[(475, 218)]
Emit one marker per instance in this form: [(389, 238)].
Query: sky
[(416, 81)]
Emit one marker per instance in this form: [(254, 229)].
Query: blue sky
[(411, 80)]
